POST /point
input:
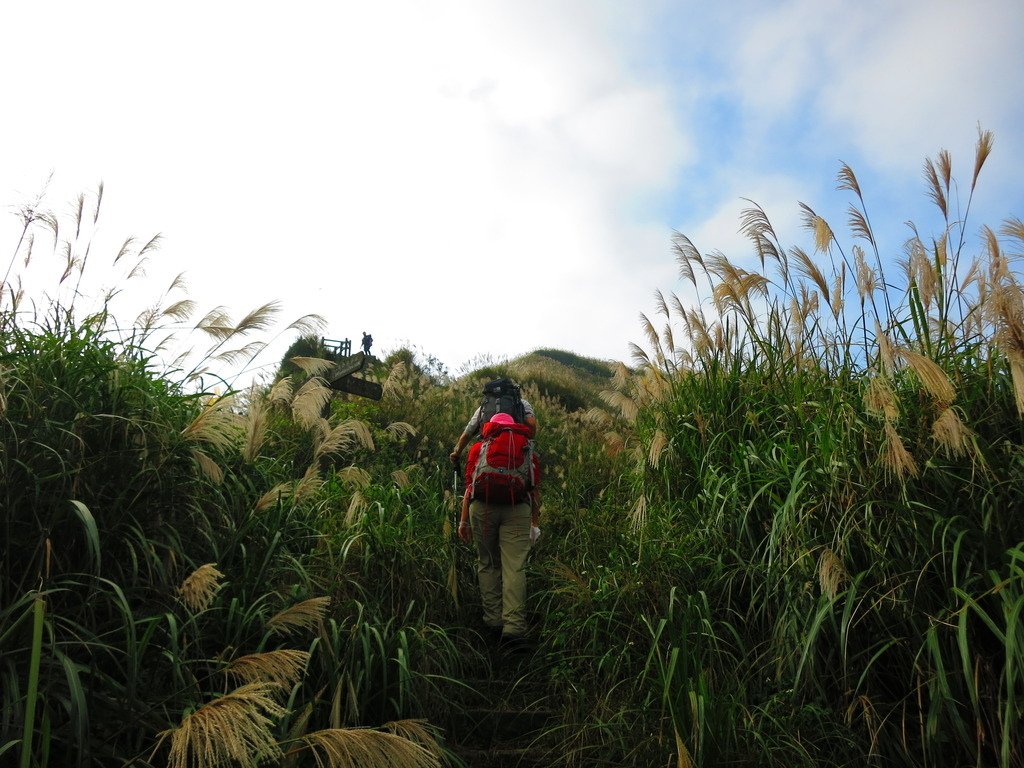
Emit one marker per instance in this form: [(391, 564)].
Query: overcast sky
[(487, 178)]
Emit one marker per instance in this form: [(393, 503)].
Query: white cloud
[(896, 81), (396, 167)]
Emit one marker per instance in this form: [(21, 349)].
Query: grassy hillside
[(790, 536)]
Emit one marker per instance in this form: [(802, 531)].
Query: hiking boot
[(512, 643), (492, 634)]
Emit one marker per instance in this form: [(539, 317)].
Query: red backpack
[(504, 472)]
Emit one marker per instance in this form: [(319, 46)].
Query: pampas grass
[(283, 667), (302, 616), (232, 730), (200, 587), (365, 748)]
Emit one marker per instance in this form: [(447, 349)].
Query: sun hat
[(502, 418)]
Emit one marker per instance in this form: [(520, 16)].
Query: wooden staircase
[(505, 717)]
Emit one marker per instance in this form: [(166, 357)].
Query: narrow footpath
[(504, 717)]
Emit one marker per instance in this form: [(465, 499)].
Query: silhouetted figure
[(367, 343)]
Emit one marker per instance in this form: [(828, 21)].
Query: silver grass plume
[(283, 667), (303, 615), (199, 588), (232, 730)]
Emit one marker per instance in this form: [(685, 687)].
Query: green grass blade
[(39, 610), (92, 533)]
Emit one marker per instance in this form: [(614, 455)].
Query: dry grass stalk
[(621, 402), (866, 279), (639, 355), (885, 351), (598, 417), (847, 180), (838, 291), (305, 615), (896, 459), (669, 341), (309, 402), (981, 152), (652, 338), (797, 317), (200, 587), (659, 442), (349, 434), (756, 225), (823, 236), (282, 667), (868, 717), (652, 386), (831, 573), (805, 266), (697, 330), (235, 356), (209, 468), (356, 506), (858, 224), (400, 478), (279, 492), (397, 386), (401, 429), (355, 476), (259, 319), (255, 426), (312, 366), (308, 484), (180, 310), (281, 393), (365, 748), (935, 189), (1013, 228), (934, 380), (683, 758), (217, 424), (942, 252), (216, 323), (233, 730), (638, 514), (920, 271), (734, 290), (686, 256), (307, 325), (659, 302), (417, 731), (951, 434), (1006, 308), (974, 276)]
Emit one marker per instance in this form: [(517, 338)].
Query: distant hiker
[(500, 396), (501, 513), (367, 343)]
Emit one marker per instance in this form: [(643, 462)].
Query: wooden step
[(504, 757)]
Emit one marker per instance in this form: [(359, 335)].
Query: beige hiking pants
[(502, 536)]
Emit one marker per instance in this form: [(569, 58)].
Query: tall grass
[(791, 535), (165, 589), (824, 460)]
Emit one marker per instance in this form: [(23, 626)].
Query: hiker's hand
[(454, 458), (464, 531)]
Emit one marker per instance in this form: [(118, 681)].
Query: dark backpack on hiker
[(504, 471), (502, 396)]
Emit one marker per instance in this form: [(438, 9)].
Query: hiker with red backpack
[(500, 396), (501, 513)]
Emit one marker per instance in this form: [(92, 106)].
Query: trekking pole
[(456, 495)]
